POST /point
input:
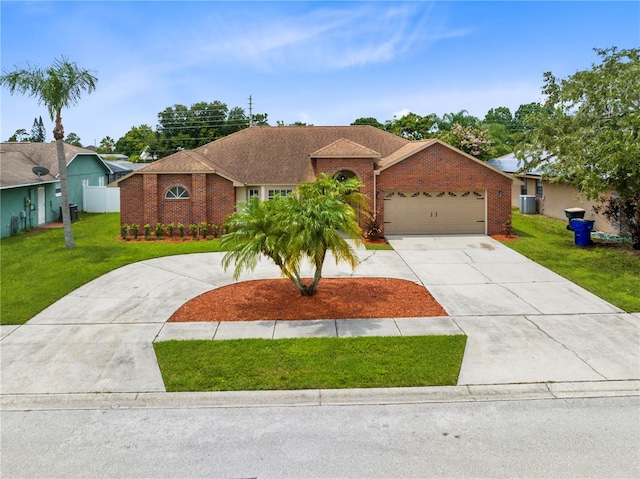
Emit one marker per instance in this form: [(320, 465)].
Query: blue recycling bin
[(582, 231)]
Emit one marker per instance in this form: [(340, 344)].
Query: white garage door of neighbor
[(434, 212)]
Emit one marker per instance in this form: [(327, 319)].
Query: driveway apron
[(523, 322)]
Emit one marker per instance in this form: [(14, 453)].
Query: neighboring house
[(417, 187), (551, 198), (29, 199)]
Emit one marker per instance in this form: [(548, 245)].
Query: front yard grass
[(608, 270), (37, 269), (310, 363)]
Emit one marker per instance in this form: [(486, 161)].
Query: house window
[(85, 182), (254, 193), (101, 181), (176, 193), (539, 187), (523, 187), (273, 193), (58, 190)]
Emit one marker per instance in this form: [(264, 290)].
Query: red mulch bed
[(505, 237), (339, 298)]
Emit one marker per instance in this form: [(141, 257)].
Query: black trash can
[(73, 212)]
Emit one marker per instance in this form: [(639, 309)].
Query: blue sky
[(324, 63)]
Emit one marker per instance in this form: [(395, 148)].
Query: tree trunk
[(58, 134)]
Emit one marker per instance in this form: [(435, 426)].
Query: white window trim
[(181, 193)]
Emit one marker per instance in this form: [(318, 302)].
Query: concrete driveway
[(524, 323)]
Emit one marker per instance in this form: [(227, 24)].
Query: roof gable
[(17, 160), (416, 146), (344, 148)]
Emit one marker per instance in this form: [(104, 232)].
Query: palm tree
[(57, 87), (303, 225)]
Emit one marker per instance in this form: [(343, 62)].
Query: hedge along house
[(29, 185), (416, 187)]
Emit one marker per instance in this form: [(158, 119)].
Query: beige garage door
[(434, 212)]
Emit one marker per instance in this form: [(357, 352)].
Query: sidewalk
[(530, 332)]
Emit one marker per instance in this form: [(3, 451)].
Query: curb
[(319, 397)]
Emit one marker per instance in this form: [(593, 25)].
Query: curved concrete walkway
[(529, 330)]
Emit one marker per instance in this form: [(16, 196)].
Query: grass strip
[(611, 271), (310, 363)]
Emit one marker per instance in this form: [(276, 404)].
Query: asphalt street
[(548, 438)]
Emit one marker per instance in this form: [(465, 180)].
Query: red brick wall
[(362, 167), (131, 202), (142, 199), (174, 210), (221, 199), (439, 168)]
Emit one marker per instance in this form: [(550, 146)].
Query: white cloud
[(324, 38)]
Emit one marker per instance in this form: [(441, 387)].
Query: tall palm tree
[(304, 225), (57, 86)]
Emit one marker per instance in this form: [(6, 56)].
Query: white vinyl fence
[(100, 199)]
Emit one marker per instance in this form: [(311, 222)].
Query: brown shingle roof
[(345, 149), (18, 158), (278, 155)]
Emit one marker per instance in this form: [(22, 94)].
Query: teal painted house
[(30, 188)]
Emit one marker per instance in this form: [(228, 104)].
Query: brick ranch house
[(417, 187)]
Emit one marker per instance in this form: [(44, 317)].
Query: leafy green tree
[(369, 121), (20, 135), (38, 133), (502, 141), (261, 119), (57, 86), (590, 139), (499, 116), (73, 139), (291, 229), (525, 113), (136, 140), (413, 126)]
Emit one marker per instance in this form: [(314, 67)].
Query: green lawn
[(310, 363), (37, 269), (609, 270)]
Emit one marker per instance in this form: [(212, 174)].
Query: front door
[(42, 206)]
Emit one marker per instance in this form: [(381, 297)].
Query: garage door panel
[(434, 212)]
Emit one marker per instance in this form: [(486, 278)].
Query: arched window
[(175, 193), (344, 175)]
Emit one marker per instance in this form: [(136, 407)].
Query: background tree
[(107, 144), (290, 229), (136, 140), (500, 116), (38, 133), (73, 139), (413, 126), (587, 134), (57, 86), (180, 127), (261, 119), (368, 121), (19, 135), (473, 140)]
